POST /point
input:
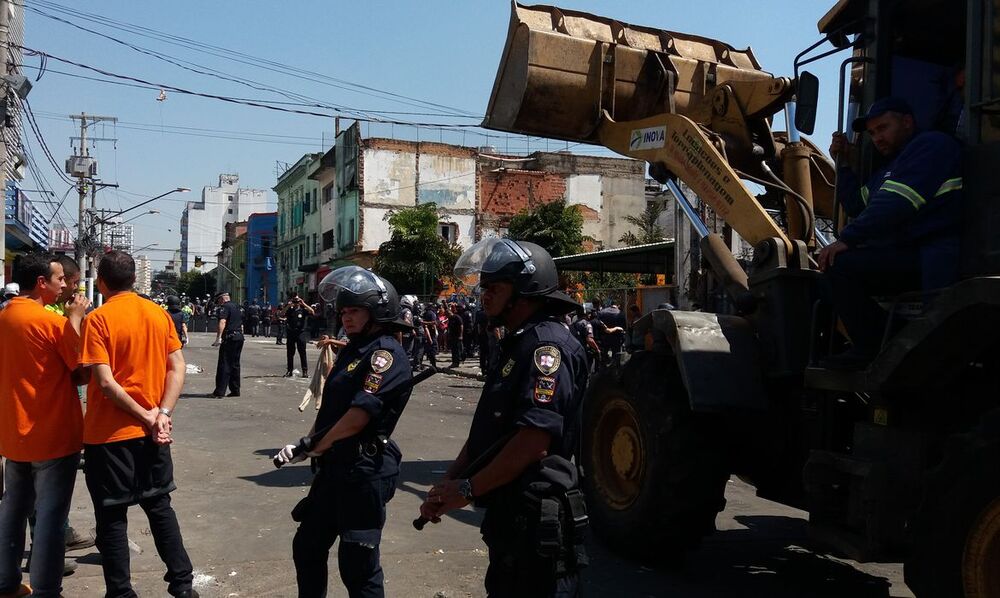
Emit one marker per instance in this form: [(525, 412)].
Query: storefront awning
[(652, 258)]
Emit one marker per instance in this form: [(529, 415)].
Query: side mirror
[(806, 101)]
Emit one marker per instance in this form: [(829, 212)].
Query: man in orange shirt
[(137, 371), (41, 423)]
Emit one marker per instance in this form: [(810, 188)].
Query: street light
[(145, 247), (152, 199), (117, 224)]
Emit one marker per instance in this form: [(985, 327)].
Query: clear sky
[(442, 55)]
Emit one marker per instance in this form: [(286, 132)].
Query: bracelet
[(165, 411)]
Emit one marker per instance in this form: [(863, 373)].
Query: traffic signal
[(197, 262)]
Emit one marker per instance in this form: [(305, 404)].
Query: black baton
[(307, 442), (472, 469)]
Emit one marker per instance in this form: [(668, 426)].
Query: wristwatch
[(465, 489), (165, 411)]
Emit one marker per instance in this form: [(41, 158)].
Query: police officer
[(406, 306), (526, 418), (358, 463), (906, 227), (296, 315), (583, 330), (229, 340)]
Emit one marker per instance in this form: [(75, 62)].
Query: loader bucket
[(560, 69)]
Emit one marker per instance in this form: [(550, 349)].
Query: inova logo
[(650, 138)]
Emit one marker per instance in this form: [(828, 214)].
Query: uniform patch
[(352, 365), (373, 382), (507, 368), (545, 389), (381, 361), (547, 359)]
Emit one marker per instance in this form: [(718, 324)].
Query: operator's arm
[(459, 464), (918, 175), (851, 193), (308, 308), (593, 344)]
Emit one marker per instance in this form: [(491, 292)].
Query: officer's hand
[(285, 456), (829, 254), (839, 146), (446, 496), (429, 511)]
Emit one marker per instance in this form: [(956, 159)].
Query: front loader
[(897, 461)]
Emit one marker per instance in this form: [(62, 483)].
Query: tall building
[(299, 227), (203, 222), (116, 235), (261, 267), (143, 275)]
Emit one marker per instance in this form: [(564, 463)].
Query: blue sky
[(445, 53)]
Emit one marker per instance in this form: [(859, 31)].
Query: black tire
[(955, 533), (654, 472)]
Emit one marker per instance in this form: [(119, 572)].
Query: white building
[(118, 236), (143, 275), (203, 222)]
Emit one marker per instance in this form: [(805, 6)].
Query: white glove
[(286, 456)]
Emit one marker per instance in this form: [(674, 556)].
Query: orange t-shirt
[(133, 336), (40, 413)]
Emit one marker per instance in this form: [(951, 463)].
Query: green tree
[(649, 230), (555, 226), (195, 284), (416, 259)]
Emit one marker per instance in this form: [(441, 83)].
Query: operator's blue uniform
[(538, 381), (904, 235), (357, 476)]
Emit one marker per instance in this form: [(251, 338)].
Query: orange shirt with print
[(133, 336), (40, 413)]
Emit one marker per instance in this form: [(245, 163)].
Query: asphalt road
[(234, 508)]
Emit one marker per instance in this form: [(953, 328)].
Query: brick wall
[(504, 194)]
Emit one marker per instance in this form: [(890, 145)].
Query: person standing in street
[(137, 371), (177, 316), (253, 318), (525, 429), (456, 329), (428, 321), (357, 462), (296, 315), (229, 339), (41, 423)]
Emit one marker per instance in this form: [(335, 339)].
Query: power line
[(247, 59)]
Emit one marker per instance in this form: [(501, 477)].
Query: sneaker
[(77, 541)]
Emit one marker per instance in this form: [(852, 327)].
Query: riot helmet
[(11, 289), (353, 286), (173, 301), (527, 266)]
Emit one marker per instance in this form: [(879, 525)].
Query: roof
[(651, 258)]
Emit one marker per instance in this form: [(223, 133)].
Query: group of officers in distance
[(516, 461)]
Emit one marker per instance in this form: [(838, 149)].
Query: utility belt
[(544, 515), (232, 335), (350, 450)]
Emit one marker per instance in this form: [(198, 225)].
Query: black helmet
[(526, 265), (353, 286), (173, 301)]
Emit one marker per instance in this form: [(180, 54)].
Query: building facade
[(143, 275), (203, 221), (261, 268), (231, 274), (298, 227)]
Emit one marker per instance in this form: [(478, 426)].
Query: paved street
[(233, 506)]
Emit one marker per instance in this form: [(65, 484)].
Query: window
[(229, 211), (231, 197), (328, 240), (315, 244), (328, 193), (350, 231), (301, 249), (449, 231)]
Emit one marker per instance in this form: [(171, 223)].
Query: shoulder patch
[(547, 359), (545, 389), (381, 361), (372, 383), (352, 365)]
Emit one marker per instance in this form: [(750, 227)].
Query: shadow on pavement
[(769, 559), (288, 476)]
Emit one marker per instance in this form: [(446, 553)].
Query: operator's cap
[(880, 107)]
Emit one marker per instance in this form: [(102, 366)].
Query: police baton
[(306, 443), (472, 469)]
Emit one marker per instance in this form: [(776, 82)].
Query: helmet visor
[(353, 279), (492, 256)]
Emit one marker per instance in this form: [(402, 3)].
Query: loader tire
[(654, 472), (955, 532)]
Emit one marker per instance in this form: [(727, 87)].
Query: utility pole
[(84, 168), (4, 32)]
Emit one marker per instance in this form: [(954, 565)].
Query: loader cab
[(938, 55)]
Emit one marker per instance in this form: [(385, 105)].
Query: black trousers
[(252, 327), (296, 341), (457, 350), (227, 374), (516, 570), (354, 511), (112, 542)]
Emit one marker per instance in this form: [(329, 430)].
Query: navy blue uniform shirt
[(295, 319), (366, 375), (538, 381), (917, 196), (231, 313)]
